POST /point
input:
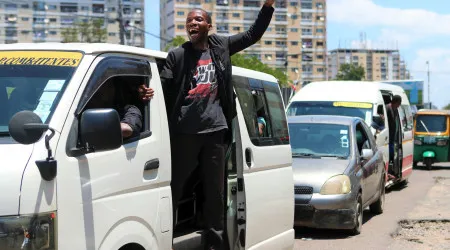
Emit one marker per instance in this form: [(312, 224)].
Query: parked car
[(338, 171)]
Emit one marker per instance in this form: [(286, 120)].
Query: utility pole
[(428, 73), (120, 19)]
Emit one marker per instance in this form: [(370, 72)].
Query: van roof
[(327, 119), (98, 48), (87, 48), (356, 91), (253, 74)]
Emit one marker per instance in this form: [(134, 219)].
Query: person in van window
[(393, 121), (201, 105), (130, 116), (261, 122)]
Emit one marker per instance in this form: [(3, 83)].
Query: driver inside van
[(130, 115)]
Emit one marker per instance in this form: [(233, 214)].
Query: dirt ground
[(428, 225)]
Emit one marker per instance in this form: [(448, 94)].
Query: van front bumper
[(28, 232)]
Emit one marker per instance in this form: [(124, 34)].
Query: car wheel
[(358, 216), (378, 206)]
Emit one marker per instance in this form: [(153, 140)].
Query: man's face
[(395, 105), (197, 27)]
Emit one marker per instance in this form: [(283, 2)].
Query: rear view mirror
[(100, 130), (26, 127), (367, 154)]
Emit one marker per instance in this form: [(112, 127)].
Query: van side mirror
[(26, 127), (100, 130), (367, 154)]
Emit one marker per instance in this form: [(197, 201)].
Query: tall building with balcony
[(44, 21), (295, 41), (378, 64)]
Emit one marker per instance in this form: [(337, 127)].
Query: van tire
[(378, 206)]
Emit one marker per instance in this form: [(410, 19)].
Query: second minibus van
[(367, 100)]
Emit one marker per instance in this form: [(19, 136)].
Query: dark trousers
[(207, 152)]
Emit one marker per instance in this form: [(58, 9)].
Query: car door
[(377, 160), (368, 166), (114, 197), (266, 215)]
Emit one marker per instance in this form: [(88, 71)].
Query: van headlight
[(339, 184), (28, 232)]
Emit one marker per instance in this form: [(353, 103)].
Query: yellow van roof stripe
[(42, 58), (353, 104)]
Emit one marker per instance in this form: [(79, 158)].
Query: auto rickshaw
[(431, 137)]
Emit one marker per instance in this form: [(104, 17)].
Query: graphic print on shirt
[(203, 83)]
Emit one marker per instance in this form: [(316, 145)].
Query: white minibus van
[(70, 181), (364, 100)]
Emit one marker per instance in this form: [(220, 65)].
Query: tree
[(252, 62), (177, 41), (447, 107), (350, 72), (92, 31)]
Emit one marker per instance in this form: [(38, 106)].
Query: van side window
[(277, 113), (263, 111), (251, 98), (114, 84), (401, 112), (409, 117)]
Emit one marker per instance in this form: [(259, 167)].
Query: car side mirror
[(367, 154), (100, 130)]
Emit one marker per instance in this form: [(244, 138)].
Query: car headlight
[(28, 232), (339, 184)]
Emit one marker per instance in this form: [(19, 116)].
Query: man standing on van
[(201, 105), (394, 128)]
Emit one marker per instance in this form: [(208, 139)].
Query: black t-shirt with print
[(201, 111)]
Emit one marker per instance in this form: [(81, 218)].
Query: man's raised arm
[(247, 38)]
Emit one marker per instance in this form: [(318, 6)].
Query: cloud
[(365, 13), (439, 59), (410, 28)]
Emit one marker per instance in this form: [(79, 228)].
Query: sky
[(419, 29)]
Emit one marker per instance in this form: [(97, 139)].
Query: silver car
[(338, 171)]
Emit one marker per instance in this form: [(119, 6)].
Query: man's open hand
[(269, 2)]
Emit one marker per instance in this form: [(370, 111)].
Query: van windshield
[(34, 81), (352, 109), (431, 123), (318, 139)]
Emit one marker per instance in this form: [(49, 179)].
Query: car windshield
[(319, 140), (353, 109), (34, 81), (431, 123)]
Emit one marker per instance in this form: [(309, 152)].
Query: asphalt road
[(377, 230)]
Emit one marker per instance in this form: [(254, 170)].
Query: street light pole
[(121, 26), (428, 73)]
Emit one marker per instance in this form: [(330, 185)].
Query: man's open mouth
[(193, 32)]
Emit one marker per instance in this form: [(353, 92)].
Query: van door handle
[(152, 164), (248, 157)]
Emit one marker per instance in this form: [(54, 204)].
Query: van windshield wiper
[(4, 133), (305, 155)]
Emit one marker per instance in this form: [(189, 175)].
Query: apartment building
[(295, 41), (43, 21), (379, 64)]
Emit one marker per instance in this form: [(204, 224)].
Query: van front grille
[(303, 190)]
